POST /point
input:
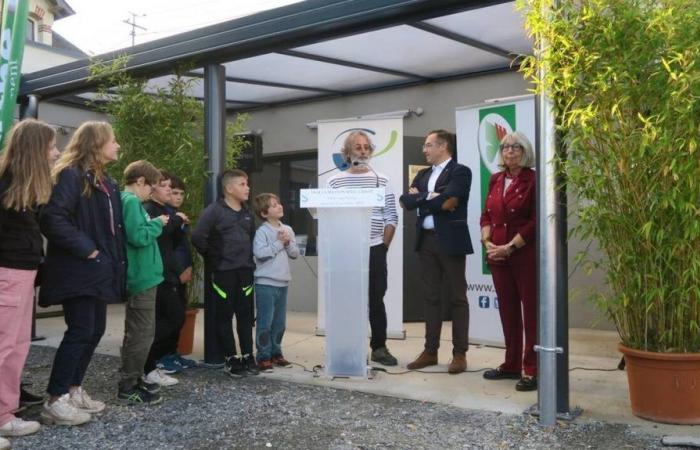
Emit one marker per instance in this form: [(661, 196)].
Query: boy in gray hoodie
[(273, 245)]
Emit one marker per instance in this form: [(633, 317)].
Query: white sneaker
[(5, 444), (157, 376), (81, 400), (62, 412), (19, 427)]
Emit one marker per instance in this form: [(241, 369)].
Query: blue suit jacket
[(450, 226)]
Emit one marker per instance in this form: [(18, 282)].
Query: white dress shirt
[(429, 222)]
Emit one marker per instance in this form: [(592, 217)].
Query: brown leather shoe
[(458, 363), (425, 359)]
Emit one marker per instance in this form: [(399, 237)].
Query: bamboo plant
[(624, 78)]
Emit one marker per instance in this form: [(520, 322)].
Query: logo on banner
[(485, 302), (337, 156), (492, 128)]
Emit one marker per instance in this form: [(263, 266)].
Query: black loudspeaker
[(250, 158)]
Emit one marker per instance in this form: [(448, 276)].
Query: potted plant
[(624, 77)]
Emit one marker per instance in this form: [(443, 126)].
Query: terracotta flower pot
[(664, 387), (186, 341)]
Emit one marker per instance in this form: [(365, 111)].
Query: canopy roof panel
[(318, 49)]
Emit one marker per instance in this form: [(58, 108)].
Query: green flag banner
[(14, 23)]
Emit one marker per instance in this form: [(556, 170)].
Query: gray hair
[(346, 150), (517, 137)]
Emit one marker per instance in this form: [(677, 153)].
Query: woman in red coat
[(508, 233)]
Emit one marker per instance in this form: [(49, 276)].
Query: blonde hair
[(517, 137), (26, 159), (84, 150)]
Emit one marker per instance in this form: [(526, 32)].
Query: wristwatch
[(512, 248)]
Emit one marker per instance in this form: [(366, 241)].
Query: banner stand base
[(321, 373), (398, 335)]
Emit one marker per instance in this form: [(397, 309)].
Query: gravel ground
[(209, 410)]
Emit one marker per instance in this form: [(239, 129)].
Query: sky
[(98, 25)]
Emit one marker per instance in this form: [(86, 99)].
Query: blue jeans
[(271, 304)]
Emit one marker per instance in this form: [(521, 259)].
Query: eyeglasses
[(432, 144), (514, 147)]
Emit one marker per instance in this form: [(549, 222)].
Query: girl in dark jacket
[(25, 184), (85, 264)]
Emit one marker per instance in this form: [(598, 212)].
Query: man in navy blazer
[(440, 194)]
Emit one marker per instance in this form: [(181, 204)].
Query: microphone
[(366, 164)]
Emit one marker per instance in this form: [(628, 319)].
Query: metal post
[(214, 142), (562, 323), (547, 229)]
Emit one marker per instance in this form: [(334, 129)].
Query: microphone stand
[(359, 163)]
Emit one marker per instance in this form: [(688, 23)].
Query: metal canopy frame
[(277, 30)]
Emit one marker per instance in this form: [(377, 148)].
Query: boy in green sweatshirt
[(144, 273)]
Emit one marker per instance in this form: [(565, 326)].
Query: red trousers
[(516, 286)]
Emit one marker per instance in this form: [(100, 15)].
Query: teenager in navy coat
[(85, 264), (508, 234)]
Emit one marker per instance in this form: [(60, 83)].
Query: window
[(284, 175), (30, 30)]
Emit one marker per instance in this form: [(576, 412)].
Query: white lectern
[(343, 250)]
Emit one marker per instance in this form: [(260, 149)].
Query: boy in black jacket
[(170, 311), (224, 237)]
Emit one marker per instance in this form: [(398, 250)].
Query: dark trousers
[(86, 318), (377, 289), (233, 290), (170, 315), (434, 265), (516, 285)]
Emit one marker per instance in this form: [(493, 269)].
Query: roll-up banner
[(479, 132), (14, 23), (387, 136)]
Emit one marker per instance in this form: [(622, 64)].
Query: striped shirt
[(381, 216)]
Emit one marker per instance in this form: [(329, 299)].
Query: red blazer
[(512, 214)]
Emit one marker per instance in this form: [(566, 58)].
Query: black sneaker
[(250, 366), (233, 365), (138, 396), (383, 357), (26, 398), (151, 388)]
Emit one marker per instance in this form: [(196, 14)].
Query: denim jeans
[(271, 305)]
